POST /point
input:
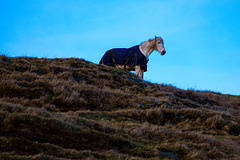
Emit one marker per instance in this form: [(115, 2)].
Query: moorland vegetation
[(60, 109)]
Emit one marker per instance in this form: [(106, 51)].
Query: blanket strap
[(113, 59), (126, 63)]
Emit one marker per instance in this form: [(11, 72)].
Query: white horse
[(134, 58)]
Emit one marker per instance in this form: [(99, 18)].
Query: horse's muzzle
[(163, 52)]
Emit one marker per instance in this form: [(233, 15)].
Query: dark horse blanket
[(125, 56)]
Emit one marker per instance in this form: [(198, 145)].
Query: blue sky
[(201, 36)]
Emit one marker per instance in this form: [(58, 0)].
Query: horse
[(134, 58)]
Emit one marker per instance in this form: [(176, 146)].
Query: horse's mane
[(153, 40)]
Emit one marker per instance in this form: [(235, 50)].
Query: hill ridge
[(70, 108)]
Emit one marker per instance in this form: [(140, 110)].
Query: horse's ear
[(155, 37)]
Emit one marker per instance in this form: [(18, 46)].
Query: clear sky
[(202, 37)]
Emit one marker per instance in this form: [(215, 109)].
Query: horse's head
[(159, 45)]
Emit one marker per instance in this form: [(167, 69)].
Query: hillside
[(57, 109)]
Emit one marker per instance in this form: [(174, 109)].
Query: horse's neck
[(147, 48)]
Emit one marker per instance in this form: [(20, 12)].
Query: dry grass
[(74, 109)]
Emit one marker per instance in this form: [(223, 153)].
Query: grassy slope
[(73, 109)]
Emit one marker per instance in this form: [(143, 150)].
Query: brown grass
[(74, 109)]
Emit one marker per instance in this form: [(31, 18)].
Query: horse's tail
[(108, 58), (105, 58), (101, 61)]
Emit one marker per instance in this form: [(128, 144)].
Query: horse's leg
[(137, 70), (141, 73)]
